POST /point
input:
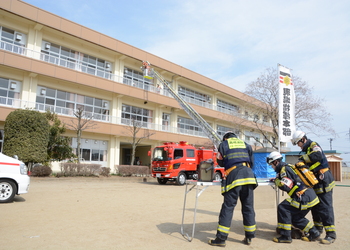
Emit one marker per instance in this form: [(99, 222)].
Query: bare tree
[(241, 124), (83, 122), (310, 113), (133, 130)]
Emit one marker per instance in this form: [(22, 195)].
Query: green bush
[(26, 135), (41, 171)]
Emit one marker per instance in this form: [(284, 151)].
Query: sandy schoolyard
[(138, 213)]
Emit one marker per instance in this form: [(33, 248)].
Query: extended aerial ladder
[(150, 73)]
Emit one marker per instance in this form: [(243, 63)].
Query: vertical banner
[(286, 119)]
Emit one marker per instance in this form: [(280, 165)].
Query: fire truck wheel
[(8, 189), (162, 181), (217, 176), (181, 179)]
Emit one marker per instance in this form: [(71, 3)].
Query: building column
[(173, 119), (34, 41), (114, 153), (158, 117), (29, 87), (118, 69)]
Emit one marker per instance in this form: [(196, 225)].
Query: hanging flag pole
[(286, 110), (286, 119)]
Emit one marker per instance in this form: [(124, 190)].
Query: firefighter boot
[(217, 242), (313, 235), (247, 241), (282, 239), (327, 240)]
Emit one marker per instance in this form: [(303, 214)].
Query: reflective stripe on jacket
[(234, 152), (287, 180)]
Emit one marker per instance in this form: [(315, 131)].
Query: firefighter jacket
[(234, 151), (236, 157), (301, 197), (314, 156), (317, 162)]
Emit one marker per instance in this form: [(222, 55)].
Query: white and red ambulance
[(14, 179)]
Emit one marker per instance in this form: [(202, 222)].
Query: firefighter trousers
[(289, 215), (323, 213), (246, 195)]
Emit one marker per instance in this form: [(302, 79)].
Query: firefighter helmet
[(228, 134), (297, 136), (273, 156)]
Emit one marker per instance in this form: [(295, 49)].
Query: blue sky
[(243, 37)]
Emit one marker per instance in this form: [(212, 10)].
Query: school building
[(50, 63)]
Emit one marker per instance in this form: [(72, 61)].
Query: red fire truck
[(181, 161)]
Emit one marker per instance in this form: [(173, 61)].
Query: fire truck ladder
[(150, 73)]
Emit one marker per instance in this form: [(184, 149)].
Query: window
[(190, 152), (93, 154), (193, 96), (136, 79), (62, 102), (225, 106), (251, 137), (221, 130), (185, 124), (141, 115), (178, 153), (12, 40), (165, 121), (85, 154), (9, 92), (92, 150), (69, 58)]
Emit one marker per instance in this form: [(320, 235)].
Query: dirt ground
[(138, 213)]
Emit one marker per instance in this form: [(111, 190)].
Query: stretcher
[(200, 187)]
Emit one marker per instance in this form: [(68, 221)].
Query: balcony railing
[(80, 66), (20, 104)]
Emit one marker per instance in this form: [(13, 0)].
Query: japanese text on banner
[(286, 104)]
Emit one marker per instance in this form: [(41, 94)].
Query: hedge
[(128, 170)]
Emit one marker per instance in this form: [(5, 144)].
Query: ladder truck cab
[(181, 161)]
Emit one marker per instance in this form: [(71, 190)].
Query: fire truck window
[(160, 154), (190, 152), (178, 153)]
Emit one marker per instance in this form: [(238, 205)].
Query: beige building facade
[(48, 62)]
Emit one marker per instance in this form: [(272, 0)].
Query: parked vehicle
[(14, 178), (181, 161)]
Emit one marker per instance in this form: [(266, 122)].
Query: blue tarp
[(261, 169)]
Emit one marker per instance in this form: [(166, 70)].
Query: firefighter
[(315, 159), (239, 183), (292, 211)]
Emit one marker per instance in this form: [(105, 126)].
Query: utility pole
[(330, 142)]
